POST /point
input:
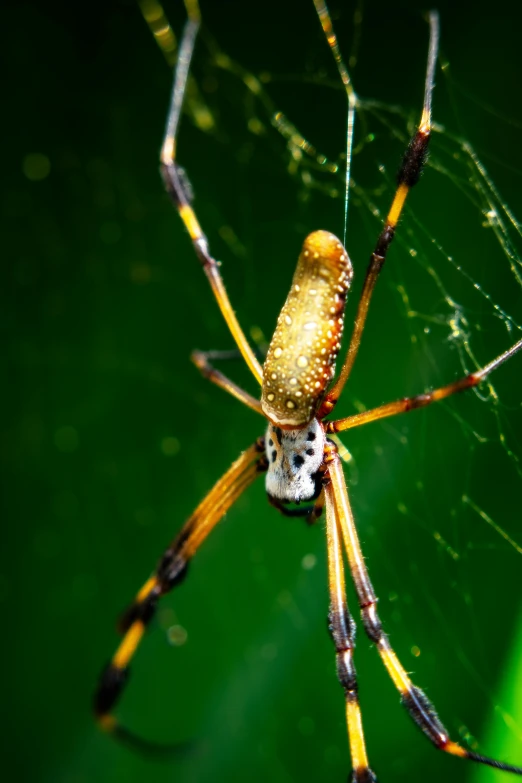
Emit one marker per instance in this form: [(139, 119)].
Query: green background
[(110, 436)]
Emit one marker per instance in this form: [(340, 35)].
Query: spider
[(301, 463)]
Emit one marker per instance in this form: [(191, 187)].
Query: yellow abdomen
[(301, 358)]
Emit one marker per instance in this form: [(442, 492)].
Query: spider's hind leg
[(170, 572), (415, 701), (342, 630)]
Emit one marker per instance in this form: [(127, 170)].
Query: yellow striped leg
[(342, 630), (416, 702), (178, 188), (408, 176), (421, 400), (170, 572)]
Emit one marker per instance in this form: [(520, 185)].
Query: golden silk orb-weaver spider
[(299, 392)]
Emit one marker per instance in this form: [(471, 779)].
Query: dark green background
[(104, 302)]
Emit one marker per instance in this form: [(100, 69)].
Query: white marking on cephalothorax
[(294, 457)]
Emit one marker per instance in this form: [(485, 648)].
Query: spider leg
[(201, 360), (414, 700), (170, 572), (408, 176), (178, 188), (317, 510), (421, 400), (342, 630)]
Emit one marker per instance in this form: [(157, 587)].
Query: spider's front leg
[(169, 573), (407, 177), (179, 190)]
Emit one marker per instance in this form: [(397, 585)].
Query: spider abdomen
[(300, 361), (294, 459)]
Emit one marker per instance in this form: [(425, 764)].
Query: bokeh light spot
[(177, 635), (309, 561), (66, 439), (170, 446), (36, 166)]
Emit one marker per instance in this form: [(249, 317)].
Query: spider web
[(113, 437), (453, 284)]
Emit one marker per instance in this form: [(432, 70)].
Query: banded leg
[(178, 188), (416, 702), (421, 400), (170, 572), (342, 630), (202, 361), (408, 176)]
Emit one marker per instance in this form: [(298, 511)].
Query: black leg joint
[(319, 481), (346, 675), (142, 611), (262, 462), (424, 714), (414, 160), (260, 446), (177, 184), (372, 623), (111, 684), (382, 246), (342, 628), (172, 570), (262, 465), (362, 776)]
